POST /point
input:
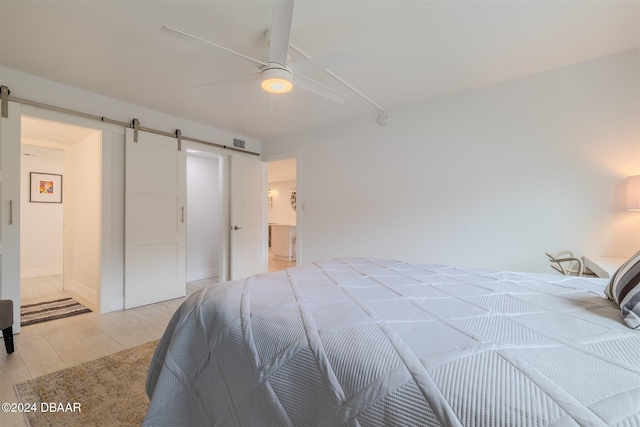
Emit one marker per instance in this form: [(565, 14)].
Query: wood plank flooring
[(48, 347), (277, 265), (58, 344)]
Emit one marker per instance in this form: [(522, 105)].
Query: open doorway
[(282, 206), (60, 217), (204, 218)]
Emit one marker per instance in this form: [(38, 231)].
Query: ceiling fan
[(277, 74)]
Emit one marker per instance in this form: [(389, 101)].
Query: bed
[(372, 342)]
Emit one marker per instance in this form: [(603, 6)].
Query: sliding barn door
[(10, 210), (155, 231), (248, 217)]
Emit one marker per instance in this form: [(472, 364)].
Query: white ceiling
[(429, 49), (52, 132)]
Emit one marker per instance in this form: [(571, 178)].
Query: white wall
[(84, 218), (204, 208), (489, 178), (40, 223), (282, 212)]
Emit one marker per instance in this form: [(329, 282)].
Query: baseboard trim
[(39, 272), (117, 304), (83, 291), (202, 274)]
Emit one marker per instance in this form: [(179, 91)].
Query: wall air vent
[(239, 143)]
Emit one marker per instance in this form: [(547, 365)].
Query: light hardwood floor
[(47, 347), (277, 265)]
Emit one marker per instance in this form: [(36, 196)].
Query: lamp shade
[(633, 193)]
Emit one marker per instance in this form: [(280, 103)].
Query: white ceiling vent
[(239, 143)]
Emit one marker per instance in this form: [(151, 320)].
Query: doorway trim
[(108, 280), (224, 157), (299, 200)]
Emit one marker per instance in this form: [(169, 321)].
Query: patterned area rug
[(109, 391), (50, 310)]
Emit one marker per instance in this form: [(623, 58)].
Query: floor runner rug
[(50, 310), (109, 391)]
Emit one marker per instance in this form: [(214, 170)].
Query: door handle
[(10, 212), (182, 214), (235, 227)]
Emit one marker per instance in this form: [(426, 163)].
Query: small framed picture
[(45, 188)]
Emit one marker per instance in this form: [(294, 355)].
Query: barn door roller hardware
[(135, 124), (4, 99)]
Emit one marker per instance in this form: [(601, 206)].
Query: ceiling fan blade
[(227, 82), (280, 31), (325, 62), (312, 86), (230, 53)]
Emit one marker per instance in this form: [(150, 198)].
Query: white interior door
[(10, 212), (248, 217), (155, 231)]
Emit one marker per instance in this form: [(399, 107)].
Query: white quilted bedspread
[(366, 342)]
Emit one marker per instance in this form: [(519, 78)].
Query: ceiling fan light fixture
[(277, 80)]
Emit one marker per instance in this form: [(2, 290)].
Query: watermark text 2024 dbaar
[(42, 407)]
